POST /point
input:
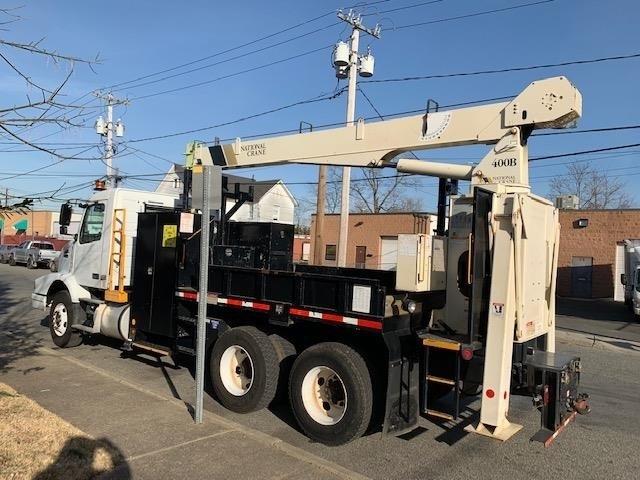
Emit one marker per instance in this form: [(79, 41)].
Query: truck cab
[(105, 241)]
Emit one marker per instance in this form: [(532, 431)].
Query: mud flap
[(403, 392)]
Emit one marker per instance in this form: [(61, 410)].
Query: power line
[(407, 7), (242, 55), (217, 54), (471, 15), (230, 75), (231, 122), (505, 70), (591, 130), (584, 152)]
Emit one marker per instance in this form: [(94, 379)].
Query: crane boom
[(548, 103)]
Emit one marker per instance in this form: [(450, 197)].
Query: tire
[(244, 369), (30, 263), (12, 260), (286, 353), (60, 321), (330, 393)]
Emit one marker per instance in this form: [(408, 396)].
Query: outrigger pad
[(502, 432)]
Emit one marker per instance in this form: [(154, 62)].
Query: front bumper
[(39, 301)]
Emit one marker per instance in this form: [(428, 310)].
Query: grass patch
[(35, 444)]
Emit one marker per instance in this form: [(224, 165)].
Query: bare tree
[(46, 105), (593, 188), (333, 195), (377, 192)]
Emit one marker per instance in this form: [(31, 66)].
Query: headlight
[(409, 305)]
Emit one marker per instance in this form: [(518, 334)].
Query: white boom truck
[(353, 347), (631, 276)]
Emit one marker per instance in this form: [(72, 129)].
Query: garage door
[(388, 253)]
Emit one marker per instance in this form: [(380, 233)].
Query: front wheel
[(331, 394), (12, 260), (60, 321), (244, 369)]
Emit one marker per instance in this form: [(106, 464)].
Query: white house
[(272, 200)]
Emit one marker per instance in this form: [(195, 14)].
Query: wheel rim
[(236, 370), (59, 319), (324, 396)]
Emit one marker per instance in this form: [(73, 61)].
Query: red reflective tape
[(262, 306), (370, 324), (234, 302), (332, 317), (187, 295)]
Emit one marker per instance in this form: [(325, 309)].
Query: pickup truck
[(33, 253)]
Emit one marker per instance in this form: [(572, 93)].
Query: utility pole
[(4, 225), (106, 130), (349, 67), (318, 243)]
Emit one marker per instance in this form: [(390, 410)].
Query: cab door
[(89, 263)]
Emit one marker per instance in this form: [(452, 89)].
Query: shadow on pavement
[(86, 458), (604, 309), (17, 339)]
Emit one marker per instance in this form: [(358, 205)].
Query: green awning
[(1, 223), (21, 224)]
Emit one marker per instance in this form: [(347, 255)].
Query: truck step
[(187, 319), (85, 328), (445, 381), (440, 342), (151, 347), (187, 350), (443, 415), (94, 301)]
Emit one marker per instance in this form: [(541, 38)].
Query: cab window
[(92, 223)]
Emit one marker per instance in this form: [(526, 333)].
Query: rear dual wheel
[(244, 369), (330, 393)]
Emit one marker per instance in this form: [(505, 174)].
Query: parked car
[(33, 253), (5, 250)]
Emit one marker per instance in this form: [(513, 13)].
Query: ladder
[(448, 347), (118, 250)]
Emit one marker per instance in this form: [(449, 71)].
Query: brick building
[(372, 239), (591, 259), (17, 227)]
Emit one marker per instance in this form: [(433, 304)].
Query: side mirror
[(65, 215), (623, 279), (63, 229)]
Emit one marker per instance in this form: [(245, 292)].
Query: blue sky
[(138, 39)]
